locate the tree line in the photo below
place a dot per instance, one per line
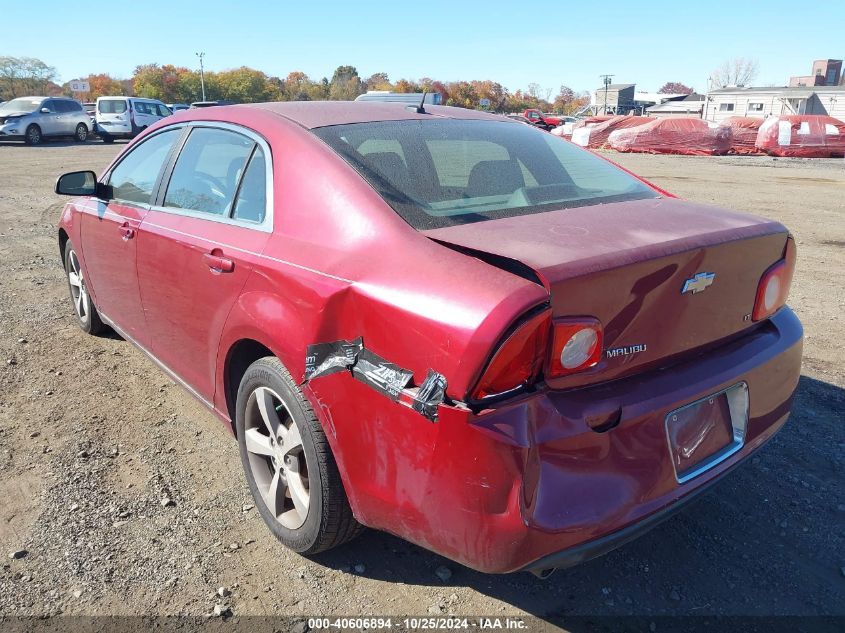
(178, 84)
(22, 76)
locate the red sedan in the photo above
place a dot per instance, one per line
(439, 323)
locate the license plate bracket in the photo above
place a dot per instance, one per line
(708, 431)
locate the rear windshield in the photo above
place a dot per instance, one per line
(112, 106)
(438, 173)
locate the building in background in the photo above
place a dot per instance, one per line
(690, 105)
(826, 72)
(762, 102)
(613, 99)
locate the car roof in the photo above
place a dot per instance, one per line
(314, 114)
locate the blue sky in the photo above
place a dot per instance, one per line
(514, 42)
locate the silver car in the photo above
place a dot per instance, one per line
(35, 118)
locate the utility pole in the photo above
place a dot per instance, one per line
(606, 79)
(202, 75)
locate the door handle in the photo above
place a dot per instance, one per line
(126, 231)
(217, 263)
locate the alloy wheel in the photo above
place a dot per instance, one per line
(33, 135)
(276, 457)
(81, 133)
(81, 300)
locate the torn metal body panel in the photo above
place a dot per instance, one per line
(325, 359)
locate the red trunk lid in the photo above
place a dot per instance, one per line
(627, 263)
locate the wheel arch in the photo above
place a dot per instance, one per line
(63, 239)
(240, 355)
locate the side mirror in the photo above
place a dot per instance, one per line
(77, 183)
(46, 111)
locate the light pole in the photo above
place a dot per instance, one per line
(202, 75)
(606, 79)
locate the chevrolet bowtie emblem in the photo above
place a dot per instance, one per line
(699, 283)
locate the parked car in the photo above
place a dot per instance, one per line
(175, 107)
(538, 123)
(126, 117)
(34, 119)
(91, 110)
(453, 328)
(552, 120)
(210, 104)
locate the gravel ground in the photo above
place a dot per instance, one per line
(121, 495)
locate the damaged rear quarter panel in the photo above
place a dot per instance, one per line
(341, 265)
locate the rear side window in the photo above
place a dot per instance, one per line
(252, 195)
(111, 106)
(208, 170)
(134, 177)
(65, 106)
(437, 173)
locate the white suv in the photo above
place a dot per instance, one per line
(125, 117)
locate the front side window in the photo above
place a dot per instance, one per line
(134, 177)
(208, 170)
(50, 104)
(455, 172)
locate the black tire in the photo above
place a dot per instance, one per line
(81, 134)
(33, 135)
(329, 521)
(88, 319)
(107, 138)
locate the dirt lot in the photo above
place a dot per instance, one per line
(93, 437)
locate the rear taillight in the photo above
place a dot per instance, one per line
(518, 361)
(773, 289)
(576, 346)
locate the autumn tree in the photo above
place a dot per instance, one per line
(20, 76)
(295, 86)
(564, 100)
(676, 88)
(462, 94)
(244, 85)
(345, 84)
(167, 83)
(406, 86)
(739, 71)
(101, 84)
(492, 90)
(378, 81)
(432, 85)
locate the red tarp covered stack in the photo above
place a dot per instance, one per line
(595, 136)
(674, 135)
(744, 138)
(590, 120)
(802, 135)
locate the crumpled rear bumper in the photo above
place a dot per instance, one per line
(586, 492)
(531, 483)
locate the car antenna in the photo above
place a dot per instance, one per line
(420, 109)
